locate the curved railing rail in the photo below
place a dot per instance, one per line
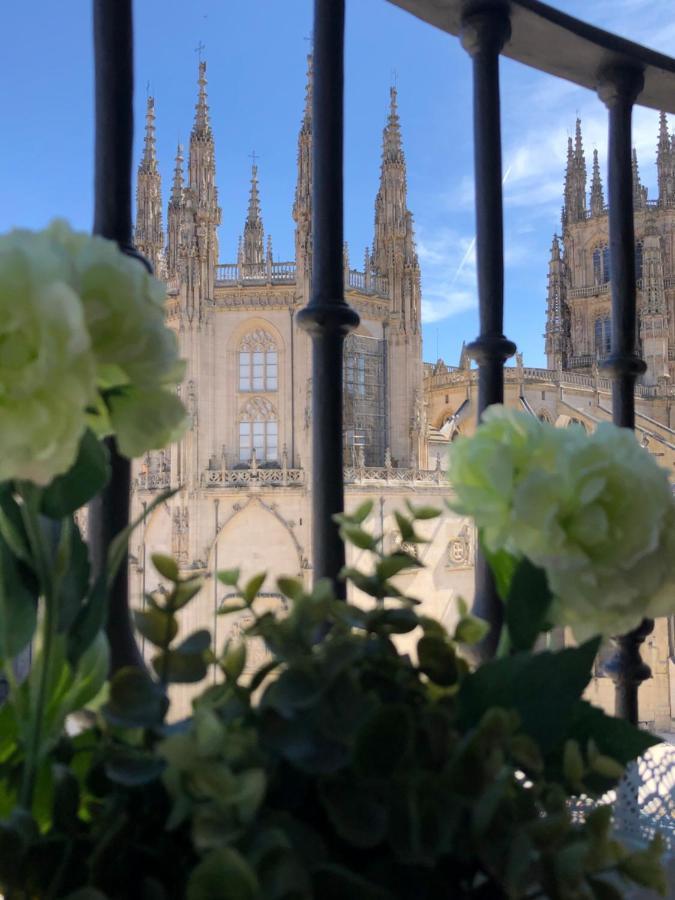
(622, 73)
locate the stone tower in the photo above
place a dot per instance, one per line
(394, 261)
(578, 321)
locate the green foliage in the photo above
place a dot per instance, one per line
(364, 758)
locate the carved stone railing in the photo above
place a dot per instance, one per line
(393, 476)
(152, 481)
(267, 272)
(241, 478)
(368, 283)
(589, 290)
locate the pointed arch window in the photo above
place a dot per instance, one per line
(603, 336)
(638, 261)
(258, 362)
(601, 271)
(258, 430)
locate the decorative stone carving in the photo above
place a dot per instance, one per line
(180, 527)
(460, 549)
(257, 341)
(257, 409)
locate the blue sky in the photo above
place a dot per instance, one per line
(256, 52)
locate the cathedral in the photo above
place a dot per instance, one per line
(243, 469)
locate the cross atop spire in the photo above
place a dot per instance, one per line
(198, 50)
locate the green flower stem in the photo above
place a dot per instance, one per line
(40, 553)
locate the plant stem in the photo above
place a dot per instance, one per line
(29, 511)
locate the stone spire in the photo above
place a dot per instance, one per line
(575, 180)
(394, 254)
(253, 239)
(202, 167)
(202, 125)
(149, 237)
(302, 205)
(175, 214)
(557, 312)
(639, 190)
(391, 200)
(664, 163)
(200, 213)
(597, 197)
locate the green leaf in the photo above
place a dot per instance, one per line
(293, 690)
(471, 630)
(136, 701)
(234, 661)
(198, 642)
(75, 584)
(223, 874)
(357, 536)
(184, 591)
(157, 626)
(87, 477)
(358, 818)
(90, 619)
(613, 738)
(503, 566)
(12, 529)
(166, 566)
(86, 893)
(405, 527)
(437, 660)
(18, 606)
(132, 766)
(252, 587)
(229, 577)
(178, 667)
(395, 563)
(384, 741)
(90, 674)
(542, 688)
(362, 512)
(423, 512)
(527, 606)
(392, 621)
(291, 587)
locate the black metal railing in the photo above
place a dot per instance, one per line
(622, 73)
(113, 67)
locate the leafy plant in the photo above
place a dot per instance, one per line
(343, 766)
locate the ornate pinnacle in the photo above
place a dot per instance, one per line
(392, 149)
(202, 125)
(555, 248)
(597, 198)
(664, 137)
(307, 118)
(177, 188)
(254, 197)
(149, 161)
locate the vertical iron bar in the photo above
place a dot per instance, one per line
(327, 317)
(618, 88)
(113, 66)
(483, 35)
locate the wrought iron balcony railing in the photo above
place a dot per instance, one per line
(621, 72)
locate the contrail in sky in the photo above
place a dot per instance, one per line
(472, 244)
